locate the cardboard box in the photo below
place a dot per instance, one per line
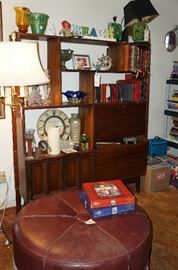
(157, 178)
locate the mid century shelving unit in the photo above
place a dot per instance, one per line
(101, 121)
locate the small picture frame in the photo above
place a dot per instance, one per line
(81, 61)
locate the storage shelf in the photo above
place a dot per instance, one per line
(173, 113)
(172, 81)
(172, 143)
(40, 156)
(63, 105)
(78, 40)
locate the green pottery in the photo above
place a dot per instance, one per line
(38, 22)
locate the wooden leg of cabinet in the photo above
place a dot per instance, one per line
(137, 183)
(135, 180)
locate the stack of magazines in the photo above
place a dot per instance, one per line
(107, 198)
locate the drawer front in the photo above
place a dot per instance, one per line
(123, 162)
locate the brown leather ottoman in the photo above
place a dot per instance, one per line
(50, 233)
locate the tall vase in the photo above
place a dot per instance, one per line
(75, 128)
(22, 18)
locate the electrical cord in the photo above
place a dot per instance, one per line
(4, 205)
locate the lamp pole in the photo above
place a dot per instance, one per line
(15, 159)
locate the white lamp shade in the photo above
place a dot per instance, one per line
(20, 64)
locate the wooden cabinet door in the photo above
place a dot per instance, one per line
(55, 181)
(134, 160)
(86, 168)
(71, 171)
(37, 183)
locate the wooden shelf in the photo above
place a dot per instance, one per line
(101, 121)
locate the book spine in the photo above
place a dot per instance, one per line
(114, 92)
(103, 92)
(126, 57)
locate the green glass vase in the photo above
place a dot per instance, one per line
(38, 22)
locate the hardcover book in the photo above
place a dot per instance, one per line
(105, 211)
(107, 193)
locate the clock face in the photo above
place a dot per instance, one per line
(53, 118)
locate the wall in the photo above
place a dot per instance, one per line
(96, 13)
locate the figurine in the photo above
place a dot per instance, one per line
(34, 97)
(66, 29)
(103, 63)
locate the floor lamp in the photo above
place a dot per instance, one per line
(19, 66)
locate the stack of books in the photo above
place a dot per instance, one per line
(107, 198)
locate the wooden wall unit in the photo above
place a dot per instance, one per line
(103, 122)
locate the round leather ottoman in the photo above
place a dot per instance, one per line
(51, 233)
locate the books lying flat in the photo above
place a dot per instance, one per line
(107, 193)
(105, 211)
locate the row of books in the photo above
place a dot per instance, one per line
(135, 58)
(132, 90)
(107, 198)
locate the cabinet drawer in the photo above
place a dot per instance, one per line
(125, 161)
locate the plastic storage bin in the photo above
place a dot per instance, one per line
(157, 147)
(157, 177)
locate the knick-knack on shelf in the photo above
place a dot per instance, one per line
(75, 128)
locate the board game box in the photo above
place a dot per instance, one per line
(107, 193)
(105, 211)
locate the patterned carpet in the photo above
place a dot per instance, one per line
(162, 207)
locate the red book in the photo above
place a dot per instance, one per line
(114, 92)
(103, 92)
(137, 91)
(108, 193)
